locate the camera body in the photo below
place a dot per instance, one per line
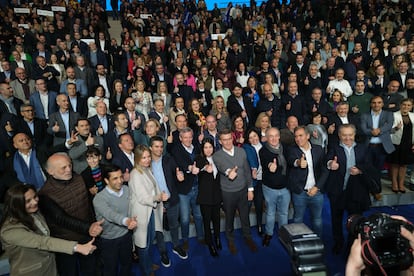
(381, 240)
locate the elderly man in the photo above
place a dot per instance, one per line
(8, 103)
(22, 86)
(68, 211)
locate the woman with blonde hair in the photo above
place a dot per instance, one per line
(219, 111)
(263, 124)
(142, 98)
(145, 204)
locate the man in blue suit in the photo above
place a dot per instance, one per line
(307, 177)
(42, 111)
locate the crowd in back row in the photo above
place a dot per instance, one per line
(351, 82)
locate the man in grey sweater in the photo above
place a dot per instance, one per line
(112, 205)
(236, 187)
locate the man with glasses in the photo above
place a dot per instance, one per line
(43, 100)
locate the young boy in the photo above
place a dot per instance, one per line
(92, 175)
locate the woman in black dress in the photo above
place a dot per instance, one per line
(209, 195)
(403, 140)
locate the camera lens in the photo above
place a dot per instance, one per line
(353, 224)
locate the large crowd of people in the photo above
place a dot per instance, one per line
(189, 111)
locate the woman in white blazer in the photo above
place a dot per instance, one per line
(146, 205)
(403, 139)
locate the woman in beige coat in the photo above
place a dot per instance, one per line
(25, 235)
(145, 204)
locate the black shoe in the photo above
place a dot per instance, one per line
(337, 248)
(165, 261)
(213, 251)
(266, 240)
(180, 252)
(218, 243)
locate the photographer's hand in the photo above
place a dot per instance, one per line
(355, 264)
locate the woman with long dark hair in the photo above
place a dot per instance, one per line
(26, 236)
(209, 195)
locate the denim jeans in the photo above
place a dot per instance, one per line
(277, 203)
(188, 203)
(145, 261)
(315, 204)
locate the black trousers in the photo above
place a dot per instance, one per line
(210, 214)
(116, 255)
(76, 264)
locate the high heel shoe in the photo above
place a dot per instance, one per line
(394, 189)
(401, 190)
(218, 243)
(213, 251)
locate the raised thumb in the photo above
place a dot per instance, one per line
(127, 171)
(335, 159)
(274, 160)
(303, 156)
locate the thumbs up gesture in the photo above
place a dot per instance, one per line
(209, 168)
(289, 106)
(170, 138)
(302, 163)
(334, 165)
(179, 174)
(306, 81)
(194, 169)
(108, 154)
(331, 128)
(90, 140)
(232, 173)
(126, 175)
(96, 228)
(56, 127)
(100, 130)
(8, 127)
(314, 108)
(272, 166)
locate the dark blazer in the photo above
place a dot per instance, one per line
(333, 138)
(40, 137)
(165, 128)
(94, 82)
(100, 57)
(137, 114)
(16, 103)
(111, 141)
(297, 176)
(114, 106)
(81, 106)
(297, 109)
(59, 138)
(95, 123)
(209, 190)
(183, 160)
(167, 78)
(234, 108)
(27, 67)
(379, 89)
(397, 77)
(169, 168)
(38, 107)
(52, 84)
(121, 160)
(386, 121)
(357, 192)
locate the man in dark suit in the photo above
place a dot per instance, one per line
(182, 90)
(167, 175)
(237, 104)
(376, 126)
(8, 103)
(101, 123)
(380, 81)
(136, 120)
(95, 56)
(342, 116)
(346, 187)
(159, 115)
(293, 104)
(62, 123)
(184, 154)
(101, 77)
(271, 105)
(84, 72)
(34, 128)
(121, 127)
(46, 72)
(124, 157)
(247, 41)
(7, 75)
(161, 75)
(401, 75)
(307, 177)
(77, 103)
(36, 100)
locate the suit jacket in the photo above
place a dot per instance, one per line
(80, 87)
(94, 82)
(234, 108)
(114, 106)
(167, 78)
(40, 137)
(137, 114)
(31, 252)
(169, 168)
(396, 135)
(18, 91)
(16, 104)
(38, 106)
(87, 75)
(81, 106)
(3, 76)
(297, 176)
(356, 192)
(183, 160)
(59, 138)
(386, 121)
(121, 160)
(27, 67)
(379, 89)
(52, 84)
(165, 127)
(397, 77)
(333, 138)
(95, 123)
(78, 150)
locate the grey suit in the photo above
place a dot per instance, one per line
(59, 138)
(18, 91)
(385, 124)
(77, 153)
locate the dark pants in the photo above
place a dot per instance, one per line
(258, 202)
(210, 213)
(233, 201)
(71, 265)
(172, 216)
(116, 255)
(377, 155)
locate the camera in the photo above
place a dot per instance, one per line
(381, 240)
